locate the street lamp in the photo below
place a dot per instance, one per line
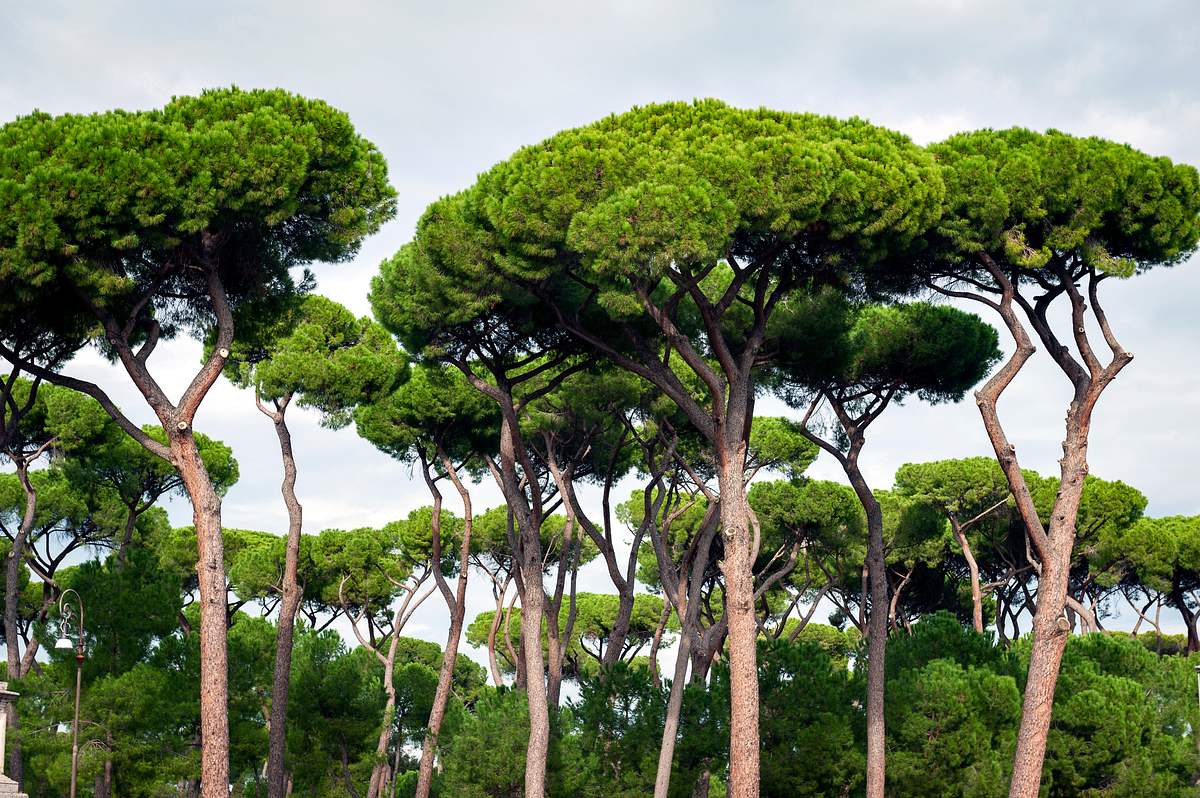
(66, 625)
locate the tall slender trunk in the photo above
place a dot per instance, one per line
(620, 629)
(877, 625)
(214, 663)
(379, 770)
(877, 629)
(1050, 629)
(289, 603)
(493, 630)
(973, 567)
(557, 639)
(657, 642)
(12, 598)
(532, 611)
(666, 751)
(457, 604)
(737, 567)
(525, 541)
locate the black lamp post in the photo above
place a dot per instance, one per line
(66, 625)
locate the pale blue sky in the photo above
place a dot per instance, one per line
(447, 89)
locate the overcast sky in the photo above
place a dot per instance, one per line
(447, 89)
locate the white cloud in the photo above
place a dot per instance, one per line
(448, 89)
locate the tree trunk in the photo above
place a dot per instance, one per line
(214, 664)
(657, 642)
(532, 600)
(973, 567)
(1050, 633)
(877, 630)
(1050, 629)
(620, 629)
(12, 606)
(442, 696)
(737, 567)
(288, 604)
(666, 751)
(131, 518)
(493, 661)
(379, 770)
(1189, 620)
(458, 608)
(104, 779)
(554, 665)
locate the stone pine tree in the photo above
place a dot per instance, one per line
(156, 223)
(43, 423)
(379, 577)
(582, 433)
(885, 354)
(437, 421)
(665, 238)
(1163, 555)
(969, 492)
(514, 355)
(1035, 222)
(318, 354)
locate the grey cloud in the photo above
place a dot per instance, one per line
(447, 89)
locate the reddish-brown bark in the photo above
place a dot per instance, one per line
(277, 778)
(456, 603)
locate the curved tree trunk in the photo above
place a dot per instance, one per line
(657, 642)
(131, 518)
(493, 631)
(1050, 629)
(379, 770)
(277, 780)
(457, 604)
(973, 567)
(666, 751)
(1050, 634)
(877, 631)
(214, 663)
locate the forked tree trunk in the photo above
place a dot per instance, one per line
(526, 544)
(558, 639)
(380, 768)
(1053, 543)
(737, 567)
(277, 780)
(457, 604)
(214, 663)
